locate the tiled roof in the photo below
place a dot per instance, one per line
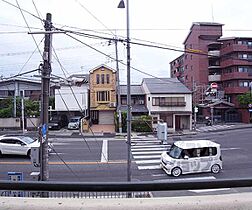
(135, 90)
(165, 85)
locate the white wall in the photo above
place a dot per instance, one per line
(187, 108)
(65, 100)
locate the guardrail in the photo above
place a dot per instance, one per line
(124, 186)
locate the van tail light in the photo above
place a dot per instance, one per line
(221, 158)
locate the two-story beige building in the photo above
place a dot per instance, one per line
(102, 95)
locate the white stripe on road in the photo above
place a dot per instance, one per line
(232, 148)
(146, 142)
(147, 161)
(146, 146)
(209, 190)
(104, 153)
(147, 156)
(144, 153)
(149, 167)
(189, 179)
(148, 149)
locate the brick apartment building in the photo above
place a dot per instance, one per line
(211, 59)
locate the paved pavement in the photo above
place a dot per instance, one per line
(200, 128)
(65, 133)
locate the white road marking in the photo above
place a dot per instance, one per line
(232, 148)
(209, 190)
(147, 156)
(153, 146)
(147, 161)
(189, 179)
(145, 141)
(148, 149)
(104, 153)
(149, 167)
(144, 153)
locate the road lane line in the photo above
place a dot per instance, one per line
(69, 163)
(148, 149)
(146, 156)
(149, 152)
(147, 161)
(149, 167)
(187, 179)
(209, 190)
(104, 153)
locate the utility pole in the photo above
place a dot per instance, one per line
(118, 90)
(45, 89)
(22, 110)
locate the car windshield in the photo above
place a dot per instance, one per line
(175, 151)
(27, 139)
(74, 120)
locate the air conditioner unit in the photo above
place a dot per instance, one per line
(112, 104)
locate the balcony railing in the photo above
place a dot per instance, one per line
(214, 78)
(43, 188)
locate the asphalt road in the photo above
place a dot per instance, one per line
(78, 159)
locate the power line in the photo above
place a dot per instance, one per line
(23, 10)
(94, 17)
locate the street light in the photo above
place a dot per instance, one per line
(122, 5)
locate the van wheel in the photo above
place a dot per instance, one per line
(176, 172)
(215, 169)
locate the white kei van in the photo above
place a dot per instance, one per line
(196, 156)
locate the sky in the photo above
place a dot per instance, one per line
(161, 22)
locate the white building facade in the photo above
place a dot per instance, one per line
(168, 100)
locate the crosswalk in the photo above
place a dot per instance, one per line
(213, 128)
(147, 153)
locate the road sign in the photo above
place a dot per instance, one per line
(214, 85)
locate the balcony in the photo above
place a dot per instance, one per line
(214, 78)
(214, 53)
(235, 62)
(236, 48)
(235, 76)
(236, 90)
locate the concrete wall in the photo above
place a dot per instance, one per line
(15, 123)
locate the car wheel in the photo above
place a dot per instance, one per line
(29, 153)
(215, 169)
(176, 172)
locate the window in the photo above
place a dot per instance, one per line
(243, 56)
(242, 69)
(244, 84)
(168, 101)
(103, 96)
(154, 120)
(107, 78)
(212, 151)
(97, 79)
(124, 101)
(102, 78)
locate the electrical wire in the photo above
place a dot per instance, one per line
(94, 17)
(23, 10)
(31, 34)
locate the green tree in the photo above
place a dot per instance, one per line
(244, 99)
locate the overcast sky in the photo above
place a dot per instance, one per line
(160, 21)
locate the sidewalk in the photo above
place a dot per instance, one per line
(200, 128)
